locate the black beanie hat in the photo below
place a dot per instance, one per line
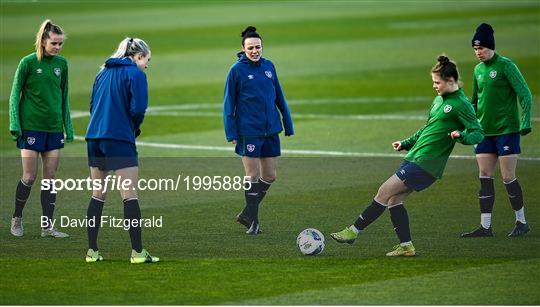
(484, 37)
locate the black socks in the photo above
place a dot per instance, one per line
(370, 214)
(21, 196)
(95, 208)
(400, 220)
(515, 194)
(486, 195)
(132, 212)
(254, 197)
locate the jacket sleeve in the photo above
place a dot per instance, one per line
(474, 97)
(473, 132)
(524, 96)
(230, 104)
(138, 87)
(15, 99)
(281, 103)
(409, 142)
(66, 116)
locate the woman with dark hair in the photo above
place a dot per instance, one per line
(39, 116)
(253, 103)
(451, 119)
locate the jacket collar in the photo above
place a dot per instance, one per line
(242, 58)
(456, 93)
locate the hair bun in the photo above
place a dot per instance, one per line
(443, 59)
(248, 29)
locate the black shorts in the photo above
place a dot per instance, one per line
(40, 141)
(110, 155)
(414, 177)
(501, 145)
(258, 147)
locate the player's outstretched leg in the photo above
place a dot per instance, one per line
(370, 214)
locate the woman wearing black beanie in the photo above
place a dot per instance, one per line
(498, 87)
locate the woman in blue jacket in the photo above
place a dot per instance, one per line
(117, 107)
(252, 105)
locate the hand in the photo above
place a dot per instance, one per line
(397, 145)
(69, 138)
(525, 131)
(15, 134)
(234, 142)
(288, 133)
(137, 132)
(454, 134)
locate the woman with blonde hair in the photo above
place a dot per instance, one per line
(39, 116)
(117, 107)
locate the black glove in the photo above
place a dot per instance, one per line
(138, 132)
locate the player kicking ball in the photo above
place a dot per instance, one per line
(451, 119)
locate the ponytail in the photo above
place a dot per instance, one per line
(130, 47)
(43, 34)
(446, 68)
(249, 32)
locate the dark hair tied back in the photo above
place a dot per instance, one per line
(443, 59)
(250, 31)
(446, 68)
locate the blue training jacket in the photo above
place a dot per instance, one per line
(118, 102)
(252, 99)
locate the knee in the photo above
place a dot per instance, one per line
(269, 178)
(382, 197)
(508, 178)
(99, 194)
(28, 178)
(128, 194)
(49, 174)
(485, 173)
(253, 175)
(393, 201)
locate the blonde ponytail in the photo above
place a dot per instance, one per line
(129, 47)
(43, 33)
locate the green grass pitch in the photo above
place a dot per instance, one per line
(356, 75)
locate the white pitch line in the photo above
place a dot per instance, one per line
(297, 151)
(188, 110)
(301, 116)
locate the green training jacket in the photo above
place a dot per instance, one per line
(498, 86)
(431, 146)
(39, 98)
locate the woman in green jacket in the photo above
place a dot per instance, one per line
(451, 118)
(498, 87)
(39, 115)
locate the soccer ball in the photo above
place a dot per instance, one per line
(310, 242)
